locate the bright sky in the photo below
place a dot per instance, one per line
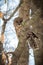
(11, 40)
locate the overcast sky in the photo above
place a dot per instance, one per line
(10, 33)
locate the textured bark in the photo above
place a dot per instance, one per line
(24, 33)
(1, 49)
(37, 28)
(24, 9)
(21, 52)
(37, 25)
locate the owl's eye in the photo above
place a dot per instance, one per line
(18, 20)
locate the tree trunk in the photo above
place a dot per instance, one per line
(37, 27)
(22, 31)
(1, 49)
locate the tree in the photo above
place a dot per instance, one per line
(24, 33)
(36, 24)
(27, 33)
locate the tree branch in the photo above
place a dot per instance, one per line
(5, 20)
(21, 1)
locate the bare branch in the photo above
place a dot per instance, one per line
(14, 11)
(3, 27)
(5, 20)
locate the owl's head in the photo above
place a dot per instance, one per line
(17, 24)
